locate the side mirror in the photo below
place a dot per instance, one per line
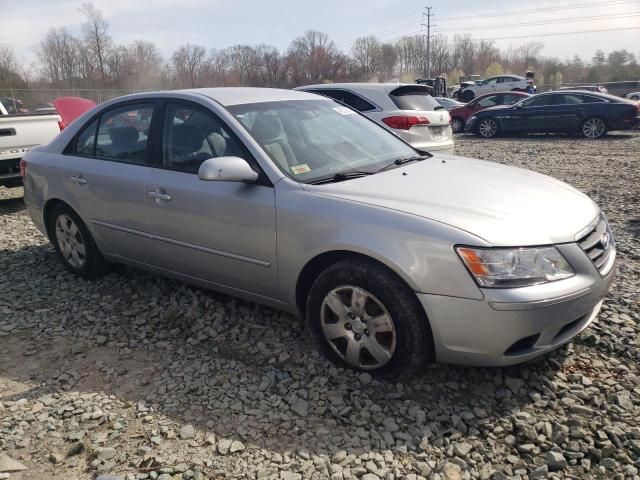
(227, 169)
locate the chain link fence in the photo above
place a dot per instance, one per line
(20, 100)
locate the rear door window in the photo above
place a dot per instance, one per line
(123, 133)
(488, 101)
(509, 99)
(411, 98)
(348, 98)
(538, 101)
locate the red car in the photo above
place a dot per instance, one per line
(459, 115)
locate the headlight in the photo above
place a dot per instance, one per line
(515, 267)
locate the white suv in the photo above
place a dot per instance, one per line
(500, 83)
(408, 110)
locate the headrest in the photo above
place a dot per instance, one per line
(267, 128)
(219, 144)
(187, 137)
(119, 135)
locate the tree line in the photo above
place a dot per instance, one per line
(94, 59)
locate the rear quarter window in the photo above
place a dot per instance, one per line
(411, 98)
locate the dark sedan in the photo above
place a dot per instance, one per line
(591, 114)
(460, 114)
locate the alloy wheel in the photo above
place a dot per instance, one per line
(456, 125)
(593, 128)
(358, 327)
(488, 128)
(70, 241)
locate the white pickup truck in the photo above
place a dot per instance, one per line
(19, 132)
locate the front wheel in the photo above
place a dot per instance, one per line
(594, 128)
(363, 317)
(468, 95)
(488, 128)
(457, 125)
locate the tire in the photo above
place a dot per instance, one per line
(457, 125)
(468, 95)
(403, 342)
(487, 128)
(74, 244)
(634, 97)
(593, 128)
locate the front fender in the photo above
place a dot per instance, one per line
(419, 250)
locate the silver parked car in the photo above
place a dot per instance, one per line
(408, 110)
(392, 256)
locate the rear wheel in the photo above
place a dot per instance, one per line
(487, 128)
(457, 124)
(594, 128)
(74, 244)
(468, 95)
(363, 317)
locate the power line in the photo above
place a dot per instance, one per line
(546, 22)
(411, 25)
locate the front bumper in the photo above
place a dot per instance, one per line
(510, 326)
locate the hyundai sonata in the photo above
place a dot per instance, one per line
(392, 255)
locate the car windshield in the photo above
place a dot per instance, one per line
(313, 139)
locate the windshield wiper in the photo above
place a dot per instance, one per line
(341, 176)
(401, 161)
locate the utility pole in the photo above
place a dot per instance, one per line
(426, 15)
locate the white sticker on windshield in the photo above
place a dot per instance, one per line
(302, 168)
(344, 110)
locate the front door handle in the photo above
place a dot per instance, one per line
(159, 196)
(79, 180)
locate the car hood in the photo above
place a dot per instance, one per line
(505, 206)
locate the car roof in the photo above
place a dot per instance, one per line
(386, 87)
(242, 95)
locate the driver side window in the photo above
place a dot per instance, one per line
(192, 135)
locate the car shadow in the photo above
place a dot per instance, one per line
(232, 368)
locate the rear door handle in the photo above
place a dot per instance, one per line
(159, 196)
(7, 132)
(79, 180)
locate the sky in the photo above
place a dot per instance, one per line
(222, 23)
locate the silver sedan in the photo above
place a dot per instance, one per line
(392, 255)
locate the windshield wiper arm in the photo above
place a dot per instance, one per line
(401, 161)
(341, 176)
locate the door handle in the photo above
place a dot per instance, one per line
(7, 132)
(78, 180)
(159, 196)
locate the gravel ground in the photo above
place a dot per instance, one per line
(135, 376)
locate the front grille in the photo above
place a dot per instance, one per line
(599, 245)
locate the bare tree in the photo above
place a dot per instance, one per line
(189, 64)
(9, 70)
(217, 64)
(314, 58)
(388, 61)
(367, 55)
(61, 58)
(96, 37)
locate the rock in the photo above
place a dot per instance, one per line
(8, 464)
(101, 339)
(236, 446)
(106, 453)
(365, 378)
(187, 432)
(76, 449)
(108, 477)
(290, 476)
(462, 449)
(452, 471)
(555, 461)
(301, 408)
(56, 458)
(542, 472)
(514, 384)
(224, 445)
